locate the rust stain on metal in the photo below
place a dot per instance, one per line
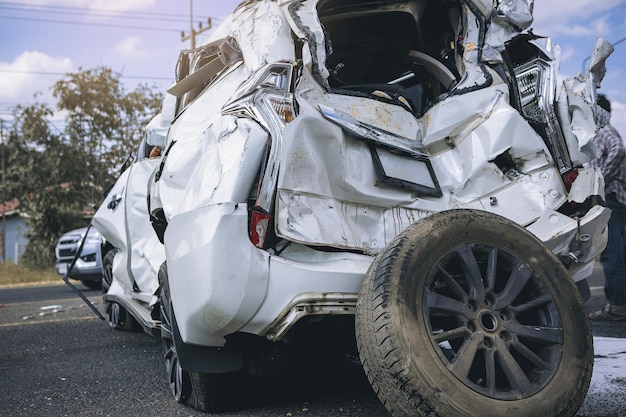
(470, 46)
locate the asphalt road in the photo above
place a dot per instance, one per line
(58, 359)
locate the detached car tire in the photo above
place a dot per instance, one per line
(466, 313)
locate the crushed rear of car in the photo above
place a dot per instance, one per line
(404, 176)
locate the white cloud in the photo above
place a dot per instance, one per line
(597, 27)
(576, 18)
(546, 13)
(110, 5)
(133, 47)
(22, 78)
(119, 5)
(567, 52)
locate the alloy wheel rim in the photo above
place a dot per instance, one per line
(493, 322)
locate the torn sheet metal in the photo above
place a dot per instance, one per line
(218, 165)
(220, 281)
(588, 182)
(463, 142)
(576, 241)
(479, 44)
(156, 131)
(346, 204)
(145, 252)
(601, 51)
(510, 18)
(198, 67)
(262, 33)
(475, 74)
(303, 19)
(579, 116)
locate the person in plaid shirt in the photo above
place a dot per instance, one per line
(612, 164)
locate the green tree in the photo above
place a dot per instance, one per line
(58, 175)
(104, 120)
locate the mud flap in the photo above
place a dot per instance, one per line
(206, 359)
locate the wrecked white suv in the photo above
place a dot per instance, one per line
(407, 171)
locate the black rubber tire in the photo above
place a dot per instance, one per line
(107, 270)
(179, 380)
(218, 393)
(206, 392)
(466, 313)
(94, 285)
(117, 317)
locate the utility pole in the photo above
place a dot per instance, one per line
(193, 32)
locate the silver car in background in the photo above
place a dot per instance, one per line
(88, 266)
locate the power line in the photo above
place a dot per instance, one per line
(98, 12)
(137, 77)
(104, 15)
(111, 15)
(66, 22)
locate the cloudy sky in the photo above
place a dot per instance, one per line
(43, 39)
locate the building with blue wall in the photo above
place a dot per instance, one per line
(13, 227)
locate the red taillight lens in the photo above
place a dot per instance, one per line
(259, 227)
(569, 178)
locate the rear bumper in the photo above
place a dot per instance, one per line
(576, 242)
(221, 284)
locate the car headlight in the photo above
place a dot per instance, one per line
(89, 258)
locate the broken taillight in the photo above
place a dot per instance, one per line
(259, 227)
(568, 178)
(284, 108)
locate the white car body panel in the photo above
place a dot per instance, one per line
(126, 226)
(328, 192)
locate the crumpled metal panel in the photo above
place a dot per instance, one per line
(574, 107)
(261, 32)
(219, 165)
(465, 140)
(111, 222)
(580, 117)
(601, 51)
(509, 18)
(216, 284)
(303, 19)
(562, 234)
(588, 182)
(156, 131)
(501, 24)
(126, 226)
(329, 192)
(146, 253)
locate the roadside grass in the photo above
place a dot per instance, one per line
(11, 274)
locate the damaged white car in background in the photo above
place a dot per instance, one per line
(407, 172)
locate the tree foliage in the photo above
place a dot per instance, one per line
(57, 174)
